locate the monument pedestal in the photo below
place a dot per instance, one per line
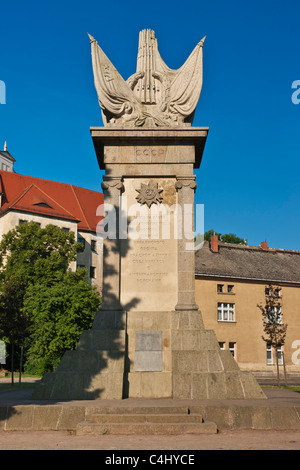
(148, 355)
(148, 340)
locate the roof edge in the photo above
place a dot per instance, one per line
(42, 214)
(255, 248)
(226, 276)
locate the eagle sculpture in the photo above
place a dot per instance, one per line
(155, 95)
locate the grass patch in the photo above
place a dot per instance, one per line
(16, 386)
(295, 388)
(16, 376)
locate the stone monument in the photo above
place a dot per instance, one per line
(148, 340)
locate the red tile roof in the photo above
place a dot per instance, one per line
(248, 262)
(50, 198)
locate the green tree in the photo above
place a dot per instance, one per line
(275, 331)
(59, 314)
(210, 233)
(30, 256)
(24, 250)
(232, 238)
(13, 323)
(226, 238)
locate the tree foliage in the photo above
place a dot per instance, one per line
(210, 233)
(226, 238)
(59, 314)
(43, 305)
(275, 331)
(13, 322)
(25, 250)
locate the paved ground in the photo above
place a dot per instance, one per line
(226, 440)
(22, 396)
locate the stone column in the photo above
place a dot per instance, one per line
(186, 256)
(112, 187)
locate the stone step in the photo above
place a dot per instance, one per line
(184, 410)
(148, 418)
(145, 420)
(90, 428)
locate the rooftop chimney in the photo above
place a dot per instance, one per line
(214, 243)
(5, 147)
(264, 245)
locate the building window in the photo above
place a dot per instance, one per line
(269, 354)
(232, 349)
(222, 345)
(277, 292)
(22, 221)
(93, 245)
(226, 312)
(66, 229)
(230, 288)
(275, 314)
(220, 288)
(280, 355)
(92, 272)
(81, 240)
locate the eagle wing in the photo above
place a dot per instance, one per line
(112, 90)
(186, 85)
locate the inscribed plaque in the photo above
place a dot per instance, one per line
(148, 351)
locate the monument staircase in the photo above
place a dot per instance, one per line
(146, 420)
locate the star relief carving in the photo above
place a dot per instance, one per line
(149, 194)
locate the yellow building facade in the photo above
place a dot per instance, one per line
(231, 280)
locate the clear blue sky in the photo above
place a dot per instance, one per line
(249, 178)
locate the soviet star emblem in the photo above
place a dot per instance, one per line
(149, 194)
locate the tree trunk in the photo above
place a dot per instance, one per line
(277, 365)
(283, 358)
(12, 361)
(21, 363)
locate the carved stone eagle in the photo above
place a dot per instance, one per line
(153, 96)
